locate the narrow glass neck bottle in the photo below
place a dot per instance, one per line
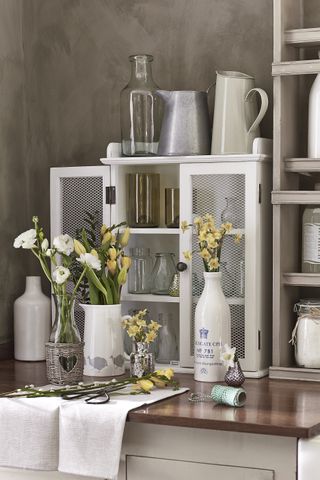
(141, 69)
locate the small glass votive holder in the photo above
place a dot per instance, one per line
(172, 207)
(143, 200)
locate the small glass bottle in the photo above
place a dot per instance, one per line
(140, 110)
(140, 271)
(162, 273)
(168, 345)
(229, 212)
(311, 238)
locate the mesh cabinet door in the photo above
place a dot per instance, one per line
(74, 191)
(228, 191)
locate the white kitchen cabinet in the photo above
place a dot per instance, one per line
(204, 183)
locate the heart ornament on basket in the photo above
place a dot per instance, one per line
(68, 362)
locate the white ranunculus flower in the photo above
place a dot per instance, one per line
(227, 356)
(44, 245)
(64, 244)
(90, 260)
(60, 275)
(50, 252)
(26, 239)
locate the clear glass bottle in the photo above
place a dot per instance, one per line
(311, 238)
(64, 329)
(228, 214)
(162, 273)
(168, 345)
(140, 271)
(143, 200)
(140, 110)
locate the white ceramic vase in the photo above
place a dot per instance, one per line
(32, 322)
(212, 329)
(314, 120)
(103, 340)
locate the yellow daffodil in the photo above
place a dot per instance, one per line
(124, 239)
(122, 277)
(212, 243)
(203, 235)
(112, 266)
(237, 238)
(227, 226)
(112, 252)
(217, 235)
(151, 336)
(198, 221)
(133, 330)
(209, 218)
(205, 254)
(187, 254)
(141, 322)
(126, 262)
(213, 263)
(184, 226)
(106, 237)
(154, 325)
(78, 247)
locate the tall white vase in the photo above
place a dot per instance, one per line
(32, 322)
(314, 120)
(103, 340)
(212, 329)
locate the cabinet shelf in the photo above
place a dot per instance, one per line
(301, 279)
(301, 67)
(155, 231)
(296, 197)
(302, 165)
(303, 37)
(148, 297)
(295, 373)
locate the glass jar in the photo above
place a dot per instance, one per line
(162, 273)
(311, 238)
(229, 212)
(306, 333)
(140, 271)
(172, 207)
(143, 200)
(140, 110)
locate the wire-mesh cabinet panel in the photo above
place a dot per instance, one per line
(74, 193)
(230, 192)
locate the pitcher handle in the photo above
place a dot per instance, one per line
(125, 317)
(263, 108)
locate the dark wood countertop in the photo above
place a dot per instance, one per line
(273, 407)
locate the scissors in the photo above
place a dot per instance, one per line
(96, 397)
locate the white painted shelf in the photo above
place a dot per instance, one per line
(301, 279)
(303, 37)
(300, 67)
(155, 231)
(296, 197)
(295, 373)
(302, 165)
(131, 297)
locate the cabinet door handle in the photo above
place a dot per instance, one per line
(181, 266)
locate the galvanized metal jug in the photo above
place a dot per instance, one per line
(186, 128)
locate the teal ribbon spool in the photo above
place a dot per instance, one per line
(234, 397)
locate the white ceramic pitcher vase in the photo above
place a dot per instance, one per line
(236, 118)
(103, 340)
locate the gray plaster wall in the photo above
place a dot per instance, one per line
(70, 63)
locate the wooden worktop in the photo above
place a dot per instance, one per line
(274, 407)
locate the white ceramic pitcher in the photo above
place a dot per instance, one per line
(236, 118)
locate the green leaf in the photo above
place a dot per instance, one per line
(92, 277)
(106, 284)
(115, 293)
(93, 294)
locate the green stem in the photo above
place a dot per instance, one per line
(78, 283)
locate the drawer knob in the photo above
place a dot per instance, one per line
(181, 266)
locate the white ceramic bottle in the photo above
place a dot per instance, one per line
(32, 322)
(314, 119)
(212, 330)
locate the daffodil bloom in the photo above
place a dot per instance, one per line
(124, 239)
(133, 330)
(213, 263)
(187, 254)
(212, 243)
(184, 225)
(227, 226)
(78, 247)
(198, 221)
(112, 266)
(112, 252)
(205, 254)
(237, 238)
(154, 325)
(151, 336)
(141, 322)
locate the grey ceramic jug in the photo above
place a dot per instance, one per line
(185, 126)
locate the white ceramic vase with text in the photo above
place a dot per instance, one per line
(32, 322)
(314, 120)
(103, 340)
(212, 329)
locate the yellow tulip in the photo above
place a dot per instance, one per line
(112, 266)
(145, 385)
(158, 382)
(103, 230)
(122, 277)
(169, 373)
(78, 247)
(124, 239)
(106, 237)
(126, 262)
(112, 252)
(94, 253)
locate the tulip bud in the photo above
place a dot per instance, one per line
(112, 266)
(125, 237)
(122, 277)
(126, 262)
(112, 252)
(94, 253)
(78, 247)
(106, 237)
(44, 245)
(103, 230)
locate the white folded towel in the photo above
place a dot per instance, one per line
(69, 436)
